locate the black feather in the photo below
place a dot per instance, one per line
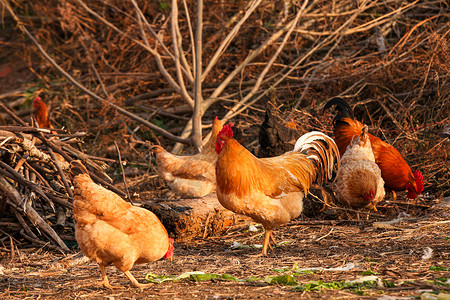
(274, 137)
(344, 110)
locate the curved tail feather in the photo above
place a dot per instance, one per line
(344, 110)
(321, 149)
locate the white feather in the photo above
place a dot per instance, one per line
(308, 138)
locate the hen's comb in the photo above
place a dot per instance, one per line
(226, 130)
(37, 103)
(419, 181)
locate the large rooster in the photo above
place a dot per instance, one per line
(190, 176)
(395, 171)
(271, 190)
(359, 183)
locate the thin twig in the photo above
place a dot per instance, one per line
(123, 173)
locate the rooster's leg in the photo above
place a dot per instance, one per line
(105, 280)
(267, 235)
(135, 282)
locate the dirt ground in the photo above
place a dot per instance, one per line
(403, 258)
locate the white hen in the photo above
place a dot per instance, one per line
(359, 183)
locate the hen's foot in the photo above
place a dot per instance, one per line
(106, 284)
(105, 281)
(135, 282)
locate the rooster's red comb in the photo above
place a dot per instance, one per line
(419, 181)
(226, 130)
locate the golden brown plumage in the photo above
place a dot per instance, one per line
(271, 190)
(395, 171)
(41, 114)
(192, 175)
(359, 183)
(112, 231)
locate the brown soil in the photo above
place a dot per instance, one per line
(395, 253)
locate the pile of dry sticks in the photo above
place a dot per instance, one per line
(35, 188)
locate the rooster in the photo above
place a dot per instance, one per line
(359, 183)
(396, 173)
(112, 231)
(276, 137)
(41, 113)
(190, 176)
(271, 190)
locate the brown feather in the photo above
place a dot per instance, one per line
(190, 175)
(394, 169)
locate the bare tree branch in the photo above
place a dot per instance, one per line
(226, 42)
(271, 61)
(191, 33)
(197, 115)
(176, 38)
(155, 54)
(34, 217)
(93, 95)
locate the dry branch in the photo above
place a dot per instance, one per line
(33, 178)
(34, 217)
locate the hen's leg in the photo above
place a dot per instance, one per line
(135, 282)
(272, 238)
(267, 235)
(105, 280)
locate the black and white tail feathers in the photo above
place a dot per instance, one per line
(323, 151)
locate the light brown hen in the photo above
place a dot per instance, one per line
(112, 231)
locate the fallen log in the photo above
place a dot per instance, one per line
(194, 218)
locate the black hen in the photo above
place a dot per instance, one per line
(275, 138)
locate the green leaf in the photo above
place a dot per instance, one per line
(202, 277)
(162, 278)
(159, 123)
(387, 283)
(253, 279)
(158, 278)
(282, 270)
(164, 6)
(311, 286)
(356, 286)
(368, 272)
(286, 279)
(443, 281)
(229, 277)
(439, 268)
